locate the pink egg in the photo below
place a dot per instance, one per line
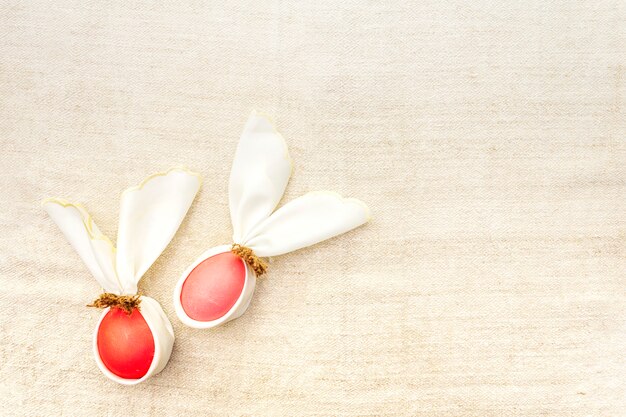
(125, 343)
(213, 287)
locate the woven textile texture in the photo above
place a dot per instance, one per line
(487, 137)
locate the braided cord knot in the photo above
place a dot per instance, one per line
(248, 256)
(123, 302)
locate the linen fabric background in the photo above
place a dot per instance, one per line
(488, 138)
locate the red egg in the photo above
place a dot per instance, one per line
(125, 343)
(213, 287)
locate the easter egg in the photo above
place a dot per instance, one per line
(213, 287)
(125, 343)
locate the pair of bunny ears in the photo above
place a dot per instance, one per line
(151, 212)
(150, 215)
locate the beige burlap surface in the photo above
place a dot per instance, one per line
(488, 138)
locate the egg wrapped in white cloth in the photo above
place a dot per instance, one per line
(218, 286)
(133, 339)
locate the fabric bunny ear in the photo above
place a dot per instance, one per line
(259, 175)
(150, 215)
(95, 249)
(307, 220)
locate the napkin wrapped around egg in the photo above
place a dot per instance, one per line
(218, 286)
(133, 339)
